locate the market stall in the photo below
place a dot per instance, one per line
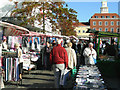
(108, 64)
(98, 35)
(10, 61)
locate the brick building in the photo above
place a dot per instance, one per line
(105, 21)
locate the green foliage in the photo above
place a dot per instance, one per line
(61, 17)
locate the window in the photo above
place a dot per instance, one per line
(106, 29)
(106, 23)
(118, 23)
(112, 23)
(100, 29)
(83, 31)
(118, 30)
(107, 16)
(100, 23)
(94, 23)
(102, 16)
(94, 29)
(113, 16)
(96, 16)
(112, 29)
(79, 31)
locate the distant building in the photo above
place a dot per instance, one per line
(105, 21)
(81, 29)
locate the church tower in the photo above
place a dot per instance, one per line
(104, 8)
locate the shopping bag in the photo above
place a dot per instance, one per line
(94, 60)
(74, 71)
(63, 76)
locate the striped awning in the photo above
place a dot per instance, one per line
(32, 34)
(13, 30)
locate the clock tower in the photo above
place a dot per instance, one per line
(104, 8)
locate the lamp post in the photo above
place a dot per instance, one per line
(43, 19)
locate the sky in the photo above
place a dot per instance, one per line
(85, 9)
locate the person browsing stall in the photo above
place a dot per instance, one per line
(59, 60)
(19, 51)
(90, 54)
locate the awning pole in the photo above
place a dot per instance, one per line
(98, 47)
(118, 42)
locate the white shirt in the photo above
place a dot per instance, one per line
(20, 55)
(89, 59)
(72, 61)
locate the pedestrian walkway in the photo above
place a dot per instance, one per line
(37, 79)
(34, 79)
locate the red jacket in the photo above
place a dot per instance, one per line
(59, 55)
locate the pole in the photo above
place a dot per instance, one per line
(43, 19)
(118, 39)
(98, 47)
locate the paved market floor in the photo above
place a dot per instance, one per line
(36, 79)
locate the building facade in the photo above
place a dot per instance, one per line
(105, 21)
(81, 29)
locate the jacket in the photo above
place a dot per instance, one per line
(71, 57)
(89, 59)
(58, 55)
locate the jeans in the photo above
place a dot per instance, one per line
(57, 72)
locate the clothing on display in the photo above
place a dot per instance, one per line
(89, 77)
(14, 39)
(11, 69)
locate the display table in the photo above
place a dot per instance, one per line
(88, 77)
(27, 65)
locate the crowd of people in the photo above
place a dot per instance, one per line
(72, 55)
(60, 56)
(66, 57)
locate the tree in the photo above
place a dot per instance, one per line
(61, 17)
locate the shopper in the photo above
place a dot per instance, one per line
(71, 56)
(74, 45)
(4, 44)
(90, 54)
(47, 56)
(59, 59)
(72, 59)
(19, 52)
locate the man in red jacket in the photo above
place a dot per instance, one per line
(59, 59)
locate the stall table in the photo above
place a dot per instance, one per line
(88, 77)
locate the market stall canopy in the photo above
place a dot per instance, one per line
(73, 37)
(33, 34)
(84, 38)
(15, 21)
(103, 34)
(13, 30)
